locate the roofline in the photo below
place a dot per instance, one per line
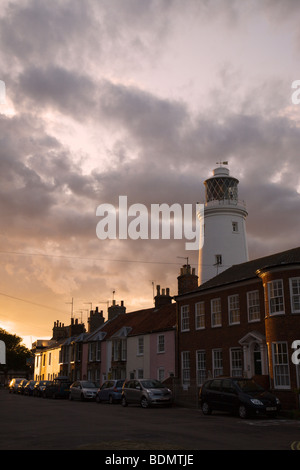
(255, 275)
(217, 287)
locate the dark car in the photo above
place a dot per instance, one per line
(40, 387)
(111, 391)
(237, 395)
(58, 388)
(28, 389)
(146, 392)
(21, 386)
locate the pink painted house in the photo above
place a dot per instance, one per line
(139, 344)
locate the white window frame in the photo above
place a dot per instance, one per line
(273, 294)
(124, 349)
(161, 374)
(200, 315)
(200, 366)
(185, 318)
(216, 312)
(91, 352)
(253, 306)
(98, 351)
(236, 362)
(217, 364)
(140, 346)
(185, 368)
(281, 369)
(234, 313)
(292, 295)
(160, 344)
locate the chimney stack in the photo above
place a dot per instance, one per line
(95, 320)
(115, 309)
(187, 280)
(162, 298)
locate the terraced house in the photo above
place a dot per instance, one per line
(136, 344)
(128, 345)
(243, 322)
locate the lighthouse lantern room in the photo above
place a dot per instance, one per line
(224, 215)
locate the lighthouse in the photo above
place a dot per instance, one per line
(225, 242)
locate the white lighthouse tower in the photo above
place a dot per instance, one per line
(225, 241)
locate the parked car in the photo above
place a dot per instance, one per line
(237, 395)
(83, 390)
(40, 387)
(14, 383)
(28, 389)
(146, 392)
(21, 386)
(111, 391)
(58, 388)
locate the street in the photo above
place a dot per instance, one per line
(30, 423)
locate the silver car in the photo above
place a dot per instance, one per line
(146, 392)
(83, 390)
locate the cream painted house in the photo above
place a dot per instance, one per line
(47, 363)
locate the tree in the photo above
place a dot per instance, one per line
(16, 353)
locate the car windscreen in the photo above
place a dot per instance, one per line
(119, 384)
(248, 386)
(152, 384)
(88, 385)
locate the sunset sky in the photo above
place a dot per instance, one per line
(136, 98)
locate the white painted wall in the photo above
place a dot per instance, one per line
(221, 239)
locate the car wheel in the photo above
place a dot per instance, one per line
(206, 409)
(243, 412)
(144, 403)
(124, 402)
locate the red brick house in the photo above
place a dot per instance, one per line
(242, 322)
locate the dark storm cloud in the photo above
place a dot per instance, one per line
(44, 32)
(57, 88)
(39, 183)
(168, 146)
(76, 62)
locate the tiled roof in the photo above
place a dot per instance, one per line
(144, 321)
(248, 270)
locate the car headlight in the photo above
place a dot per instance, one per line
(255, 401)
(277, 401)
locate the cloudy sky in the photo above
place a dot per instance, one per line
(136, 98)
